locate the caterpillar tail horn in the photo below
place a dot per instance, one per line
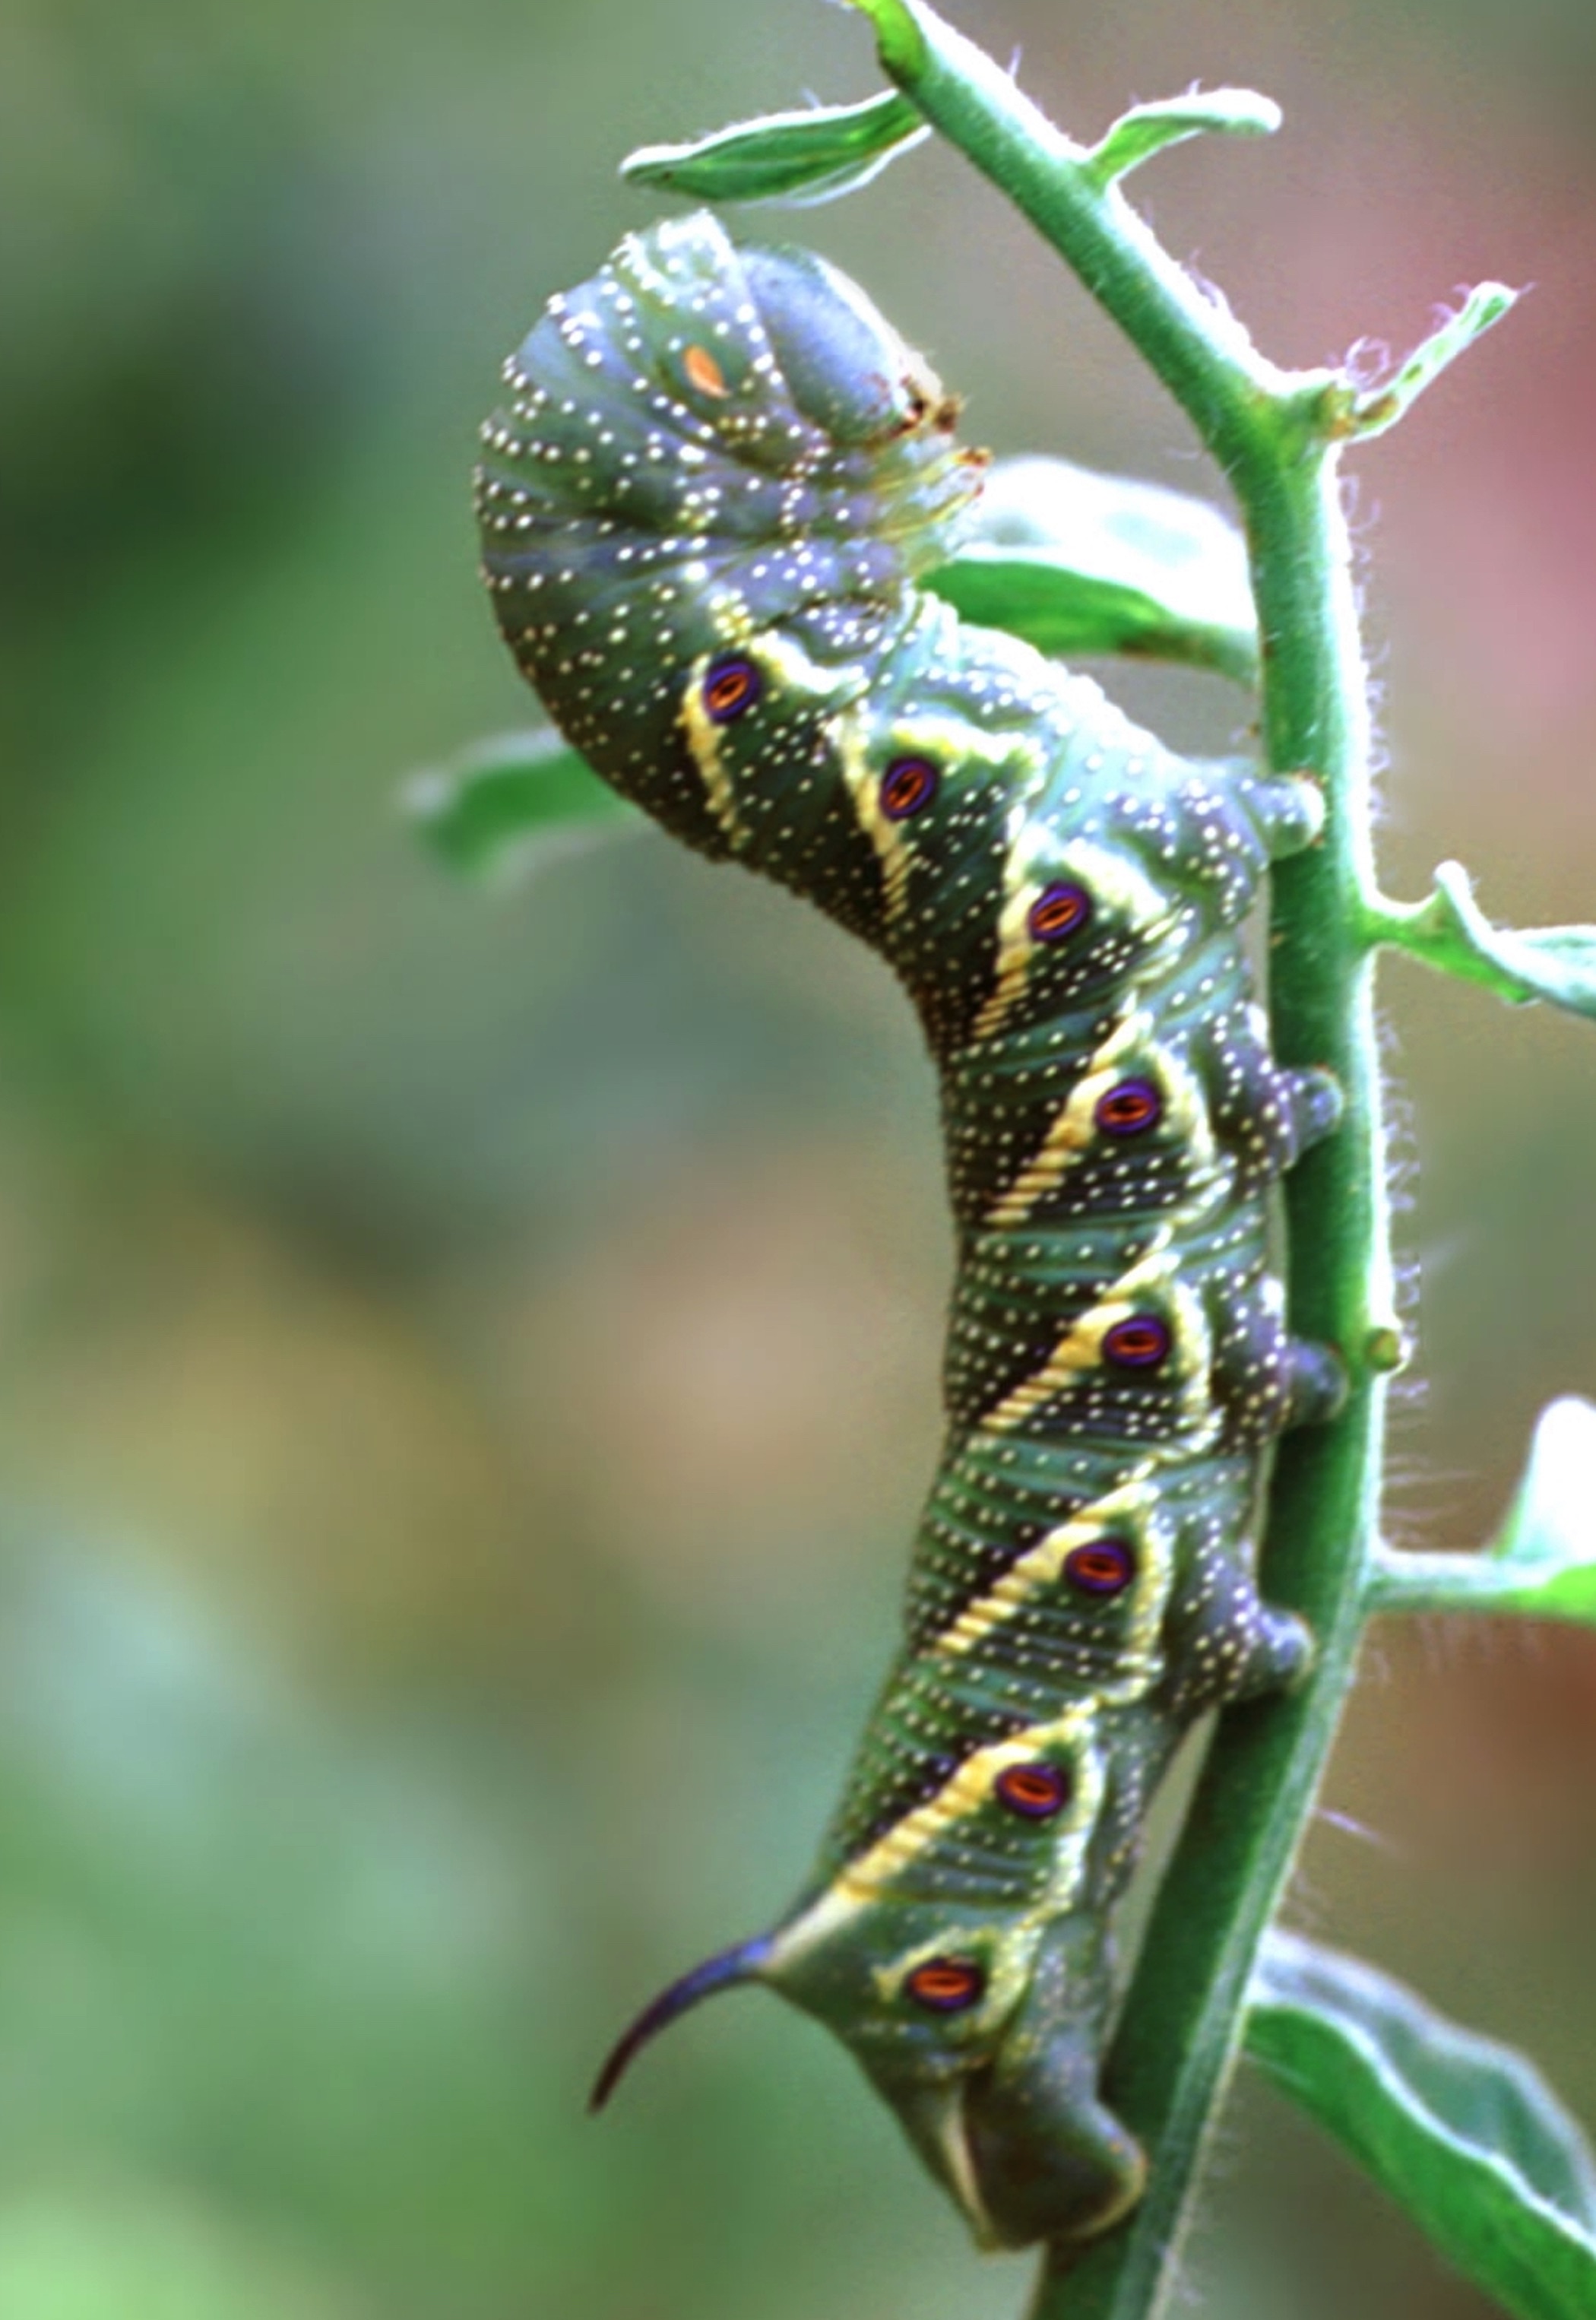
(741, 1962)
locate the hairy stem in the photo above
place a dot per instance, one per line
(1444, 1582)
(1275, 435)
(1182, 2024)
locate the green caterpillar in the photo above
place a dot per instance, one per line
(703, 509)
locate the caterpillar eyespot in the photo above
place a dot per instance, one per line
(816, 497)
(908, 787)
(1142, 1343)
(731, 686)
(1034, 1792)
(946, 1985)
(1058, 911)
(1106, 1567)
(1130, 1110)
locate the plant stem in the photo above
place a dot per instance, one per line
(1558, 1589)
(1444, 1582)
(1182, 2026)
(1274, 434)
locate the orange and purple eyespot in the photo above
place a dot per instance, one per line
(1103, 1566)
(1058, 911)
(1141, 1343)
(945, 1985)
(907, 787)
(1035, 1791)
(731, 685)
(1130, 1109)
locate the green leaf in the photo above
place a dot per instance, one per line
(1543, 1564)
(1081, 563)
(515, 803)
(1450, 931)
(1463, 2133)
(800, 158)
(1148, 129)
(1554, 963)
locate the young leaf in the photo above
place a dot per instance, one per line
(1450, 931)
(514, 802)
(1148, 129)
(1081, 563)
(1380, 407)
(800, 158)
(1462, 2132)
(1554, 963)
(1543, 1566)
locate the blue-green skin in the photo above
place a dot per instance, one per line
(646, 513)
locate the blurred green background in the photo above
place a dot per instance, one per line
(469, 1360)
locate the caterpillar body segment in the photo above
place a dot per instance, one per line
(705, 504)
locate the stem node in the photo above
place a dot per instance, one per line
(1387, 1349)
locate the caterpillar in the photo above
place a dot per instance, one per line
(705, 506)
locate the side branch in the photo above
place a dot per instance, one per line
(1449, 932)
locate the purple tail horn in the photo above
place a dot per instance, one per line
(741, 1962)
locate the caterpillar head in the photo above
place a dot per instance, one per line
(983, 2035)
(701, 403)
(771, 358)
(705, 442)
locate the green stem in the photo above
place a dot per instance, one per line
(1182, 2024)
(1234, 395)
(1441, 1582)
(1412, 1581)
(1274, 434)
